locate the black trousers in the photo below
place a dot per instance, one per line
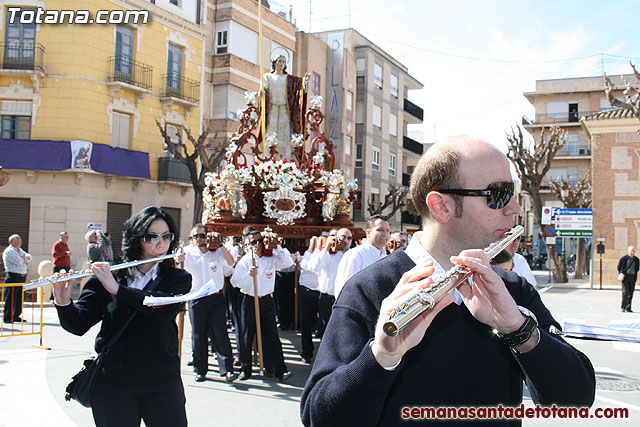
(234, 298)
(271, 345)
(205, 311)
(325, 305)
(284, 291)
(13, 296)
(119, 406)
(628, 286)
(308, 301)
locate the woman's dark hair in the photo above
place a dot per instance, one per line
(501, 258)
(136, 227)
(273, 64)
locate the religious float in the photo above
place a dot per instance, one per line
(296, 191)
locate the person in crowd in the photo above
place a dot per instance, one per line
(269, 257)
(15, 261)
(97, 246)
(503, 260)
(308, 297)
(628, 265)
(206, 259)
(140, 379)
(372, 250)
(324, 262)
(61, 254)
(450, 356)
(520, 264)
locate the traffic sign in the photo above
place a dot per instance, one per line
(565, 211)
(550, 231)
(574, 233)
(574, 226)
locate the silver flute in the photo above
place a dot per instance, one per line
(84, 273)
(423, 300)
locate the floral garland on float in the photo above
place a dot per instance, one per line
(304, 189)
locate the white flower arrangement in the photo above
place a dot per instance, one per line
(251, 97)
(272, 139)
(297, 140)
(315, 102)
(283, 172)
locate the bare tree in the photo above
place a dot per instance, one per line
(576, 197)
(394, 198)
(532, 159)
(631, 95)
(205, 153)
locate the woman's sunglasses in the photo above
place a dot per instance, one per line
(154, 238)
(498, 194)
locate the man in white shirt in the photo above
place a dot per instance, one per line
(206, 259)
(520, 264)
(15, 263)
(324, 262)
(373, 249)
(308, 298)
(266, 263)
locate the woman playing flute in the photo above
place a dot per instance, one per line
(140, 379)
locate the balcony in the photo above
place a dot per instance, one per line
(412, 145)
(408, 218)
(413, 109)
(173, 170)
(25, 56)
(181, 89)
(554, 118)
(574, 151)
(406, 179)
(123, 69)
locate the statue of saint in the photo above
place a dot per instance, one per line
(286, 104)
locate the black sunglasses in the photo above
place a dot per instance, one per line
(255, 242)
(199, 236)
(154, 238)
(498, 194)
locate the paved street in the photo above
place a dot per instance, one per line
(32, 381)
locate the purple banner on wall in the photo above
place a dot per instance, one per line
(56, 155)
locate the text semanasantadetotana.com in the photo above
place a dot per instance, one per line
(508, 412)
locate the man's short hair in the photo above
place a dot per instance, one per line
(247, 230)
(198, 225)
(372, 221)
(13, 237)
(62, 233)
(436, 170)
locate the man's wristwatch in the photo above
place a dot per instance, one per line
(522, 334)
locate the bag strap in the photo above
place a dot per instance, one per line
(120, 331)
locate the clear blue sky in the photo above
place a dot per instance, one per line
(476, 58)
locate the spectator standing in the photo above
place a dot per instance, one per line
(628, 266)
(15, 263)
(97, 246)
(61, 254)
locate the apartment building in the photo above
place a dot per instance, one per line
(563, 102)
(78, 139)
(367, 114)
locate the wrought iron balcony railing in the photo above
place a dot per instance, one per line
(173, 170)
(125, 69)
(22, 56)
(180, 87)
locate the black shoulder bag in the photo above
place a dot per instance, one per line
(81, 386)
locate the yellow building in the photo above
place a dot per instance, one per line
(79, 107)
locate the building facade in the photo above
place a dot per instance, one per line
(562, 102)
(78, 134)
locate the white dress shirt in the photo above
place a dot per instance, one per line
(521, 266)
(206, 267)
(267, 267)
(307, 278)
(325, 265)
(141, 280)
(355, 260)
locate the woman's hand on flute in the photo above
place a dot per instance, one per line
(388, 351)
(62, 290)
(102, 271)
(488, 299)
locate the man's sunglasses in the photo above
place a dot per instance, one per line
(199, 236)
(255, 242)
(154, 238)
(498, 194)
